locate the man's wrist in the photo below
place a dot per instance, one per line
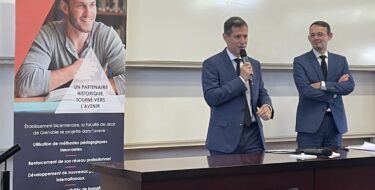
(323, 85)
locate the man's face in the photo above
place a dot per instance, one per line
(237, 40)
(81, 14)
(319, 37)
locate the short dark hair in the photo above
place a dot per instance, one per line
(323, 24)
(233, 22)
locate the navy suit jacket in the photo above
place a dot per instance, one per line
(313, 102)
(224, 92)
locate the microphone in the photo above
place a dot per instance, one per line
(244, 58)
(9, 153)
(315, 151)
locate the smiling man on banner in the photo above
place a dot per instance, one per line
(61, 48)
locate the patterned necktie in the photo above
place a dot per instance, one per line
(323, 65)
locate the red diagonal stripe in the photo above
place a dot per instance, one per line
(30, 15)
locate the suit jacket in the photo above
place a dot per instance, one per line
(224, 92)
(313, 103)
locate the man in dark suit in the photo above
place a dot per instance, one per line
(321, 78)
(237, 97)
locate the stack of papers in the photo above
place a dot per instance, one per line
(366, 146)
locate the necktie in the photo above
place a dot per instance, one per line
(323, 65)
(238, 68)
(247, 117)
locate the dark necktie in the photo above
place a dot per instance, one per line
(323, 65)
(247, 118)
(238, 68)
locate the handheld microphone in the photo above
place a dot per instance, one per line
(314, 151)
(244, 58)
(9, 153)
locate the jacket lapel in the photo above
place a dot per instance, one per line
(228, 63)
(316, 65)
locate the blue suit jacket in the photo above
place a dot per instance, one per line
(224, 92)
(313, 102)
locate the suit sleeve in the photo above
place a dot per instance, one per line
(344, 87)
(303, 82)
(263, 97)
(216, 93)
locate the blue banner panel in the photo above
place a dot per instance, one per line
(57, 147)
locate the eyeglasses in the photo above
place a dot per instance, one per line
(320, 34)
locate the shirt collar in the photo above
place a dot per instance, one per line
(69, 44)
(317, 54)
(231, 56)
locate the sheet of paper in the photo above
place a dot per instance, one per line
(303, 156)
(365, 146)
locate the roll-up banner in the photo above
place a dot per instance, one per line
(69, 91)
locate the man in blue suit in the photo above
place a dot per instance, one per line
(237, 97)
(321, 78)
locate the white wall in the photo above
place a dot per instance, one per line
(6, 111)
(6, 105)
(165, 107)
(190, 30)
(7, 23)
(7, 31)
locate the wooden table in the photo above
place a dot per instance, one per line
(352, 170)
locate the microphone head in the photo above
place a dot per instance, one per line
(243, 53)
(316, 151)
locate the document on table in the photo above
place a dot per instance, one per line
(366, 146)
